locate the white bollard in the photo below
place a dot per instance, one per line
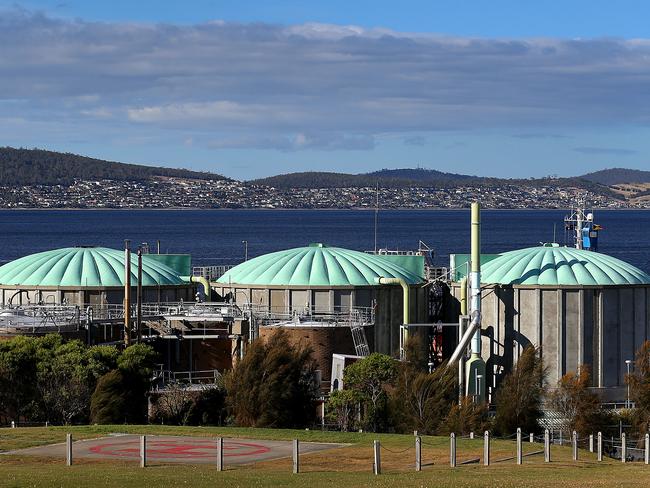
(418, 453)
(600, 446)
(547, 446)
(519, 447)
(574, 445)
(68, 449)
(591, 443)
(471, 435)
(647, 449)
(486, 448)
(531, 437)
(13, 424)
(143, 451)
(220, 454)
(452, 450)
(296, 456)
(376, 466)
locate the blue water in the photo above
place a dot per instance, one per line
(215, 236)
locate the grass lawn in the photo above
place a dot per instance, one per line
(350, 465)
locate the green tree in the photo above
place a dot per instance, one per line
(519, 397)
(342, 407)
(110, 402)
(371, 377)
(273, 385)
(466, 417)
(18, 373)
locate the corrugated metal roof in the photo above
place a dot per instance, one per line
(317, 265)
(83, 266)
(554, 265)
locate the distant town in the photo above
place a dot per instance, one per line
(170, 192)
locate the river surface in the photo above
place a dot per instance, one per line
(215, 236)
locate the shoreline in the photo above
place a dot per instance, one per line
(331, 209)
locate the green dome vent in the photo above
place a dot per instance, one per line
(553, 265)
(317, 265)
(83, 267)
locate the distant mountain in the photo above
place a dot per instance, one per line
(616, 176)
(39, 167)
(387, 178)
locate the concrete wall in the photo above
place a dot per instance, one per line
(597, 326)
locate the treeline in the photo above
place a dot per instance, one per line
(419, 178)
(46, 379)
(39, 167)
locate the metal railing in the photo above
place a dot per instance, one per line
(40, 318)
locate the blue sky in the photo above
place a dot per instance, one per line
(249, 89)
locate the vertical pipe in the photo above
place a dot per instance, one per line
(139, 297)
(143, 451)
(600, 446)
(574, 445)
(520, 453)
(547, 446)
(68, 449)
(220, 454)
(158, 246)
(418, 453)
(127, 293)
(486, 448)
(452, 450)
(461, 332)
(296, 456)
(475, 274)
(376, 465)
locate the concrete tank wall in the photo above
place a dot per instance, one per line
(597, 326)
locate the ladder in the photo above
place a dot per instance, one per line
(358, 334)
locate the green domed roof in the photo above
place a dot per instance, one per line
(316, 265)
(83, 266)
(554, 265)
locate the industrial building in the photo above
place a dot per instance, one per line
(91, 276)
(579, 306)
(335, 299)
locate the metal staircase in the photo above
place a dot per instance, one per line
(357, 322)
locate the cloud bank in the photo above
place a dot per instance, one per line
(311, 86)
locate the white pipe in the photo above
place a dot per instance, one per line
(462, 344)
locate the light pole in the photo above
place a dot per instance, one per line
(245, 243)
(628, 363)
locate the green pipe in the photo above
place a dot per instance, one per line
(463, 296)
(203, 281)
(405, 292)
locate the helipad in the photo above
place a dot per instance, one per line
(189, 450)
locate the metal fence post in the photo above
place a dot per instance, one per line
(547, 446)
(68, 449)
(591, 443)
(574, 445)
(531, 437)
(296, 456)
(647, 449)
(220, 454)
(600, 446)
(418, 453)
(486, 448)
(452, 450)
(519, 447)
(376, 466)
(143, 451)
(623, 448)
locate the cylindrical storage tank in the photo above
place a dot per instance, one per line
(86, 276)
(324, 340)
(320, 279)
(580, 307)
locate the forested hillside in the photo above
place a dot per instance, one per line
(39, 167)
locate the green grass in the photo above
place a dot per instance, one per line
(348, 466)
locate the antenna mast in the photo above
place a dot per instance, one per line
(376, 214)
